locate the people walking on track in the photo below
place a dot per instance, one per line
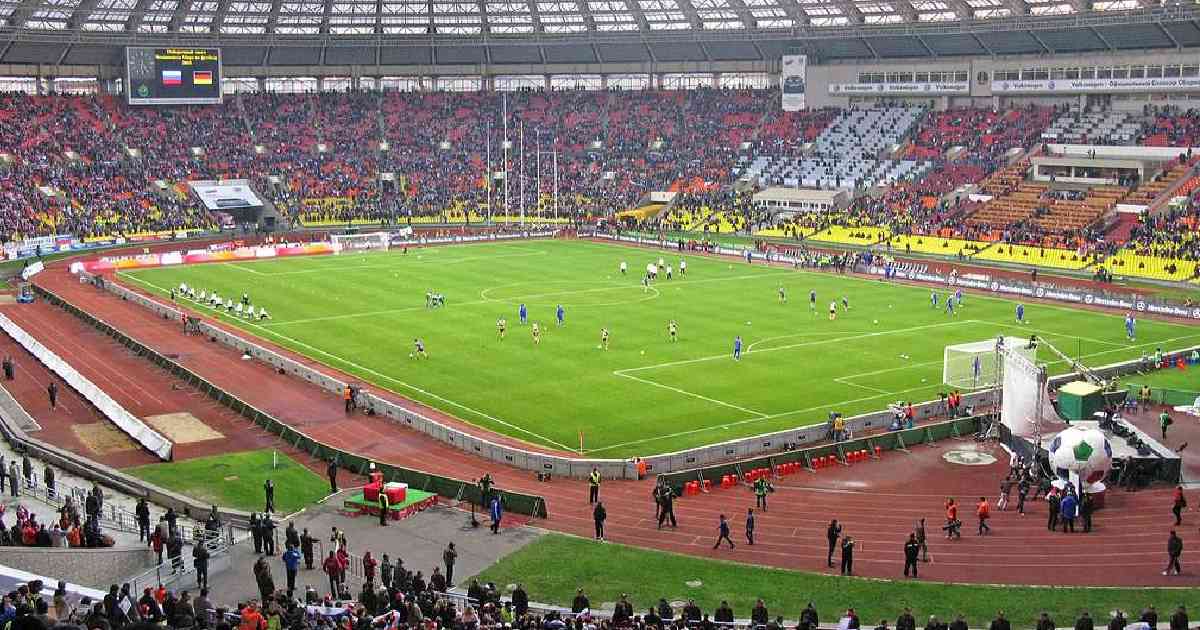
(723, 533)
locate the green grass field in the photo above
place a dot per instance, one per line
(1183, 380)
(606, 571)
(236, 480)
(645, 395)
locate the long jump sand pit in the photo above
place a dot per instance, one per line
(103, 438)
(183, 428)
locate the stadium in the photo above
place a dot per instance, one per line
(599, 314)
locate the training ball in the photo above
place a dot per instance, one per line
(410, 355)
(731, 266)
(876, 322)
(643, 352)
(922, 380)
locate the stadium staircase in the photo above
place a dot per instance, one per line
(241, 107)
(1122, 228)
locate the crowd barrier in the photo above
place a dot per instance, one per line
(445, 486)
(892, 440)
(133, 426)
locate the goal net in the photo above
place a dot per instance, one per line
(350, 243)
(976, 365)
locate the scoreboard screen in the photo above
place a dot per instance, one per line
(173, 76)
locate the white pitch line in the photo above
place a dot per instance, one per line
(792, 346)
(387, 377)
(1011, 325)
(485, 300)
(694, 395)
(843, 380)
(389, 311)
(750, 348)
(775, 416)
(256, 272)
(735, 423)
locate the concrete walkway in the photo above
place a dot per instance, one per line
(417, 540)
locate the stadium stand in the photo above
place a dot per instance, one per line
(1077, 126)
(846, 154)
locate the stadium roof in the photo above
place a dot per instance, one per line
(75, 41)
(516, 17)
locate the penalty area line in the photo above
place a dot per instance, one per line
(386, 377)
(692, 394)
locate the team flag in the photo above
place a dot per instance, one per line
(172, 77)
(202, 77)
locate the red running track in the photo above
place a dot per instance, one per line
(877, 501)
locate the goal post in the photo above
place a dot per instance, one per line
(976, 365)
(352, 243)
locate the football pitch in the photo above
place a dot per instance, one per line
(360, 313)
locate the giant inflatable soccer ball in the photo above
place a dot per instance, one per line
(1083, 451)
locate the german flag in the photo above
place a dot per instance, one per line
(202, 77)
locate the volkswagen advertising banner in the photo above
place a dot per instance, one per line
(794, 78)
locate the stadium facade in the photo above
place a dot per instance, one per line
(981, 53)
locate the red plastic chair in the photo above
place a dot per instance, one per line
(878, 451)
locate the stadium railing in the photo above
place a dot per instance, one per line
(456, 489)
(13, 418)
(111, 517)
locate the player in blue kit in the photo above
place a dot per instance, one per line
(958, 297)
(845, 303)
(782, 296)
(976, 370)
(812, 301)
(933, 299)
(1020, 313)
(560, 315)
(949, 305)
(1130, 327)
(523, 313)
(737, 348)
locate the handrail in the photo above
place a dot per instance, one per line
(171, 571)
(111, 516)
(1167, 194)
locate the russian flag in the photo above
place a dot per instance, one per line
(172, 77)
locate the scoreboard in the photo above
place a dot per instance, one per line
(173, 76)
